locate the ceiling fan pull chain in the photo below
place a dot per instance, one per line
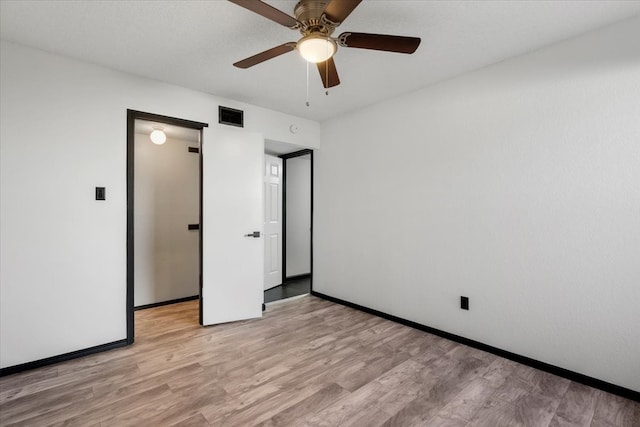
(307, 83)
(326, 72)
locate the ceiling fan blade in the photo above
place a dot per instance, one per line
(328, 73)
(267, 54)
(338, 10)
(268, 11)
(384, 42)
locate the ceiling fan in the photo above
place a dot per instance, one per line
(317, 20)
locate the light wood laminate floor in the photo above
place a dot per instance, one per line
(308, 362)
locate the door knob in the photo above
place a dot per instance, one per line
(255, 234)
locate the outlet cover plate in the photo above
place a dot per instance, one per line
(101, 193)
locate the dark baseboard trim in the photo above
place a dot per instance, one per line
(61, 358)
(160, 304)
(296, 277)
(552, 369)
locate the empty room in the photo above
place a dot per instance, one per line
(320, 213)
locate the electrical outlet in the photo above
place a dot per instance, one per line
(101, 193)
(464, 303)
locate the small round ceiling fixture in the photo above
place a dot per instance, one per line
(158, 137)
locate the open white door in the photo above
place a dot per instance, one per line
(232, 262)
(272, 221)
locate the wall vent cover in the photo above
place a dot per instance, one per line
(230, 116)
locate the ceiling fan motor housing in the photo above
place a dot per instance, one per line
(310, 14)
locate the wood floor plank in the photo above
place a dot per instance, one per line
(440, 421)
(396, 388)
(87, 377)
(551, 385)
(183, 405)
(119, 386)
(23, 379)
(42, 404)
(306, 362)
(351, 410)
(535, 409)
(577, 407)
(459, 365)
(197, 420)
(313, 404)
(111, 410)
(513, 388)
(262, 408)
(368, 367)
(92, 411)
(612, 410)
(497, 413)
(465, 404)
(498, 371)
(433, 395)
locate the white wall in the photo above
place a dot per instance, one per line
(167, 199)
(63, 254)
(517, 185)
(298, 215)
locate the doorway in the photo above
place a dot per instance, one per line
(297, 226)
(272, 212)
(157, 222)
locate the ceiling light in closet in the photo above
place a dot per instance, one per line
(158, 137)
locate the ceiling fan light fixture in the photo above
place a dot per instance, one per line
(316, 48)
(158, 137)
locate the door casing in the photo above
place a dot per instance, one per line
(284, 158)
(132, 116)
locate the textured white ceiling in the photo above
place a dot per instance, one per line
(194, 43)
